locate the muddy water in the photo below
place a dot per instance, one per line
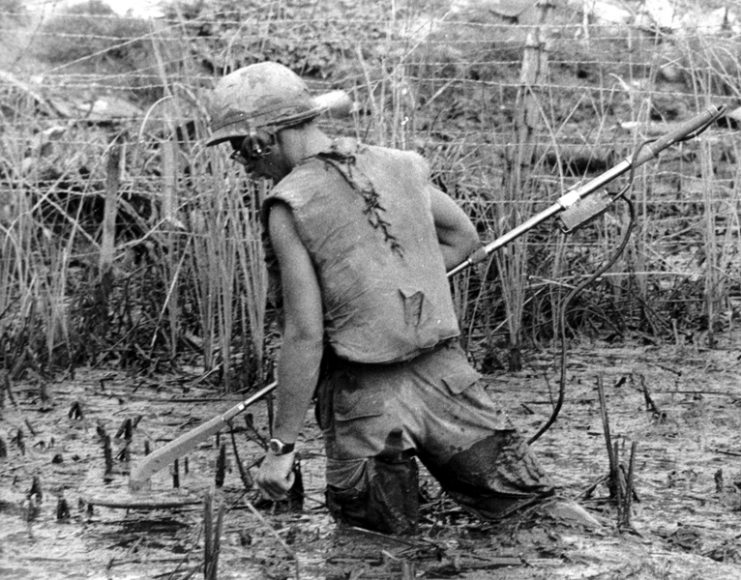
(102, 536)
(688, 476)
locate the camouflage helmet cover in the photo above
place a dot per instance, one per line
(265, 95)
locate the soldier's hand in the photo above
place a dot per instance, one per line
(275, 476)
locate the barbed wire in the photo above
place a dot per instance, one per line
(423, 22)
(62, 80)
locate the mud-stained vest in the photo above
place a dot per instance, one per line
(364, 215)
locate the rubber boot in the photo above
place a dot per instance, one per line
(494, 477)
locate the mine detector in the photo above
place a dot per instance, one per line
(575, 208)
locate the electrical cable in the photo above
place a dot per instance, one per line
(711, 117)
(578, 288)
(562, 319)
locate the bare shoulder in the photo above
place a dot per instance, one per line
(445, 210)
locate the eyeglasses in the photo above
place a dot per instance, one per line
(249, 150)
(239, 157)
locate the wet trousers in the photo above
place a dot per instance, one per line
(377, 419)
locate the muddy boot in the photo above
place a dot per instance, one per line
(385, 496)
(495, 477)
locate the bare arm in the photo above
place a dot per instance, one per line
(455, 231)
(301, 350)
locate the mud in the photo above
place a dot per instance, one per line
(679, 404)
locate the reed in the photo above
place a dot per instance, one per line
(34, 263)
(182, 238)
(227, 262)
(721, 194)
(520, 189)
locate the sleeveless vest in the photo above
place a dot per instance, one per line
(363, 213)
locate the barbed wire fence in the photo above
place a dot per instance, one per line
(102, 169)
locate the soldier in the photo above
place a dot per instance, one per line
(359, 241)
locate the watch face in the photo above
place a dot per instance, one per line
(275, 446)
(279, 448)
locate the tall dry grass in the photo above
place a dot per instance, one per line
(209, 216)
(182, 238)
(227, 263)
(39, 236)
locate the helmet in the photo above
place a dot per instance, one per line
(263, 96)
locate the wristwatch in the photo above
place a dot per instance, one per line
(277, 447)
